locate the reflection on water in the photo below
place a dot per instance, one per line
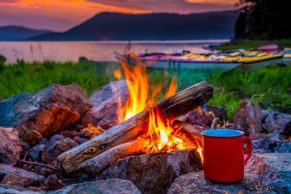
(98, 51)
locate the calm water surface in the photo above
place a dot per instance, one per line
(98, 50)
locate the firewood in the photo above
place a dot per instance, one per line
(192, 129)
(214, 122)
(105, 159)
(15, 176)
(189, 133)
(129, 130)
(38, 164)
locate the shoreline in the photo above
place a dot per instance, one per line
(252, 44)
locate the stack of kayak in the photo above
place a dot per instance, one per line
(276, 49)
(286, 60)
(216, 60)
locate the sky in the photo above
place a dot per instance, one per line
(60, 15)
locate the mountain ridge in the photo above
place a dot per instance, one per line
(13, 32)
(155, 26)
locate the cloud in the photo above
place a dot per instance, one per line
(9, 1)
(53, 12)
(223, 2)
(180, 6)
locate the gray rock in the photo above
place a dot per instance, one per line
(2, 59)
(31, 137)
(52, 182)
(80, 140)
(270, 146)
(287, 130)
(56, 145)
(36, 152)
(110, 186)
(219, 112)
(15, 176)
(272, 170)
(10, 147)
(105, 103)
(154, 173)
(282, 147)
(249, 118)
(47, 111)
(264, 173)
(277, 122)
(195, 183)
(8, 189)
(203, 119)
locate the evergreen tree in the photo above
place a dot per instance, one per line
(264, 19)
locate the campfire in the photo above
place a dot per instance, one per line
(144, 126)
(160, 135)
(129, 129)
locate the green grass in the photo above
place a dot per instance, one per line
(267, 87)
(250, 44)
(21, 77)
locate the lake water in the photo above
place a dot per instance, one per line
(98, 50)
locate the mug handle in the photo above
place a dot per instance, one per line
(249, 149)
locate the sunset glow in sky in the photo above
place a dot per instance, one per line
(60, 15)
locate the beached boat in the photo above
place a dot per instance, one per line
(191, 64)
(270, 48)
(251, 60)
(286, 60)
(222, 61)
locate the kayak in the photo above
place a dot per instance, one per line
(223, 62)
(286, 60)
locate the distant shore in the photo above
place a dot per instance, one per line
(252, 44)
(94, 50)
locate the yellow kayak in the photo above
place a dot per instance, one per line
(257, 59)
(248, 59)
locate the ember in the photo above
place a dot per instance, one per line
(160, 133)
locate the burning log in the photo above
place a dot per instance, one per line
(103, 160)
(192, 129)
(130, 130)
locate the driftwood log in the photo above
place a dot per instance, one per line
(103, 160)
(10, 175)
(129, 130)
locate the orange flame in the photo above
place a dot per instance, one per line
(138, 87)
(172, 89)
(117, 74)
(161, 135)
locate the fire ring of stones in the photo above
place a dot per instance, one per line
(60, 141)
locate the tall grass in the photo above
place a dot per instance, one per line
(267, 87)
(21, 77)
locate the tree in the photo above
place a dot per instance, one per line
(241, 26)
(264, 19)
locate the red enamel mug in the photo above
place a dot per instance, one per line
(224, 154)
